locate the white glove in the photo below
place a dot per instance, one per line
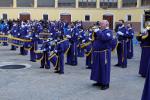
(83, 41)
(90, 39)
(90, 34)
(55, 40)
(55, 51)
(68, 36)
(96, 30)
(36, 35)
(51, 33)
(144, 31)
(8, 32)
(114, 37)
(44, 49)
(50, 39)
(120, 33)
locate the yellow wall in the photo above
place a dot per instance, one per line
(76, 13)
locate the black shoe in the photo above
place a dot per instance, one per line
(67, 64)
(88, 67)
(97, 84)
(33, 60)
(143, 76)
(61, 73)
(117, 65)
(41, 67)
(73, 64)
(104, 87)
(47, 67)
(124, 66)
(56, 71)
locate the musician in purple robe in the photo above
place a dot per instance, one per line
(130, 35)
(144, 38)
(146, 91)
(102, 56)
(122, 45)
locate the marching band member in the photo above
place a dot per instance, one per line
(130, 35)
(144, 38)
(122, 45)
(102, 56)
(72, 35)
(34, 44)
(5, 29)
(87, 46)
(146, 62)
(46, 47)
(23, 31)
(14, 32)
(59, 50)
(80, 38)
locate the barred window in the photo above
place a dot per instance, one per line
(145, 3)
(129, 17)
(129, 3)
(4, 16)
(46, 3)
(6, 3)
(45, 16)
(87, 17)
(108, 3)
(25, 3)
(66, 3)
(87, 3)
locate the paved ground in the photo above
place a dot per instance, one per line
(39, 84)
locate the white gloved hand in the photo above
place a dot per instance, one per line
(55, 51)
(90, 39)
(36, 35)
(96, 30)
(51, 33)
(44, 49)
(76, 33)
(55, 40)
(68, 36)
(8, 32)
(120, 33)
(83, 41)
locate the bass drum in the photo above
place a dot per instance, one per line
(53, 59)
(39, 55)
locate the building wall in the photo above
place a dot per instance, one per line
(78, 13)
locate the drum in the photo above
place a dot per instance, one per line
(44, 35)
(87, 48)
(3, 38)
(53, 59)
(19, 42)
(28, 45)
(39, 55)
